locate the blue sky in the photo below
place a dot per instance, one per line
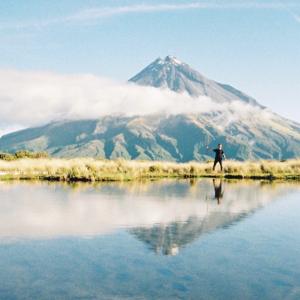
(253, 45)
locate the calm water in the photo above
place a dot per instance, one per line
(157, 240)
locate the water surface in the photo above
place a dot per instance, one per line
(167, 239)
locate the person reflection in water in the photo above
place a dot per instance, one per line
(218, 190)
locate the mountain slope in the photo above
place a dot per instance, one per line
(246, 128)
(175, 138)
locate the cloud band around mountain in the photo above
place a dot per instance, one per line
(36, 98)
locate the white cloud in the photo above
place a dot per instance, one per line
(35, 98)
(5, 129)
(30, 98)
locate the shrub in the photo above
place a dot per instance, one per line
(154, 168)
(22, 154)
(42, 154)
(28, 154)
(7, 156)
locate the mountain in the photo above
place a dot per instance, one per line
(171, 73)
(247, 129)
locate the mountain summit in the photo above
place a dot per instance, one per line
(171, 73)
(247, 131)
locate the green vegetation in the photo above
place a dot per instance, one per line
(89, 169)
(23, 154)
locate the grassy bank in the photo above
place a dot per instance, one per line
(88, 169)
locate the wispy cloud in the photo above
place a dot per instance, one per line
(293, 14)
(297, 18)
(98, 13)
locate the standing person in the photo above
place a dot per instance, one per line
(219, 156)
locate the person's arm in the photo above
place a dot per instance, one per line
(214, 150)
(224, 156)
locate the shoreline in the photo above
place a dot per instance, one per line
(97, 170)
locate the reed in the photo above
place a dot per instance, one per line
(90, 169)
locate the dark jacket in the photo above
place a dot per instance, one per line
(219, 154)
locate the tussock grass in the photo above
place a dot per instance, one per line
(89, 169)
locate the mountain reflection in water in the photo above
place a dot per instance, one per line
(166, 215)
(168, 239)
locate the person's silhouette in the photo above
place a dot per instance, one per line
(218, 190)
(219, 155)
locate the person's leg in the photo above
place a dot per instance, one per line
(215, 163)
(221, 165)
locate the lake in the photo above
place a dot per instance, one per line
(168, 239)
